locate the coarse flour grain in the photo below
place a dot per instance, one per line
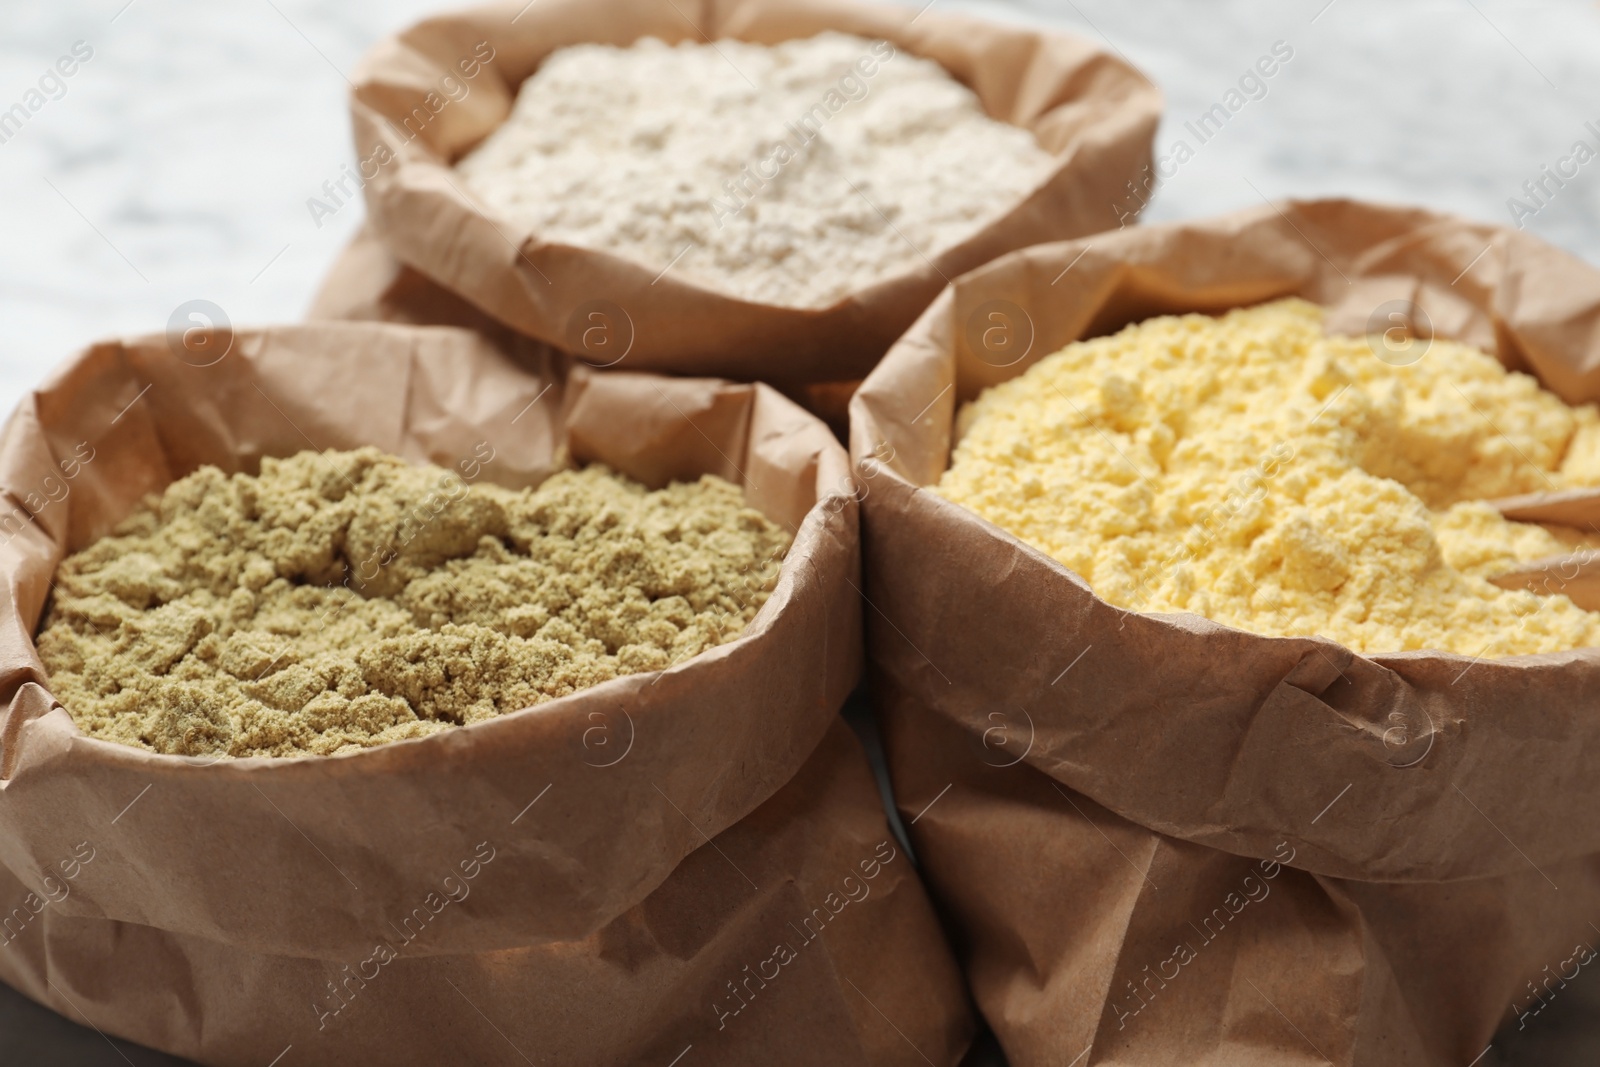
(792, 175)
(342, 600)
(1250, 469)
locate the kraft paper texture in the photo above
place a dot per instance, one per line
(424, 98)
(367, 284)
(1165, 841)
(580, 881)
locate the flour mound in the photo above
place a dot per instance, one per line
(1250, 469)
(348, 599)
(792, 175)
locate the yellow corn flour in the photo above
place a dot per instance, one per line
(1252, 470)
(347, 599)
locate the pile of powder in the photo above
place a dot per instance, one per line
(791, 174)
(1254, 471)
(348, 599)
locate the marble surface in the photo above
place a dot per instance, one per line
(177, 160)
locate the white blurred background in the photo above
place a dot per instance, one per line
(177, 162)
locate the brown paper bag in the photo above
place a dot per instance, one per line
(367, 284)
(1165, 841)
(581, 880)
(424, 98)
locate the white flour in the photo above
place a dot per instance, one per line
(794, 174)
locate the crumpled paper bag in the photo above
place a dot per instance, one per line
(584, 881)
(1162, 840)
(367, 284)
(424, 98)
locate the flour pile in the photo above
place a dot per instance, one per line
(792, 175)
(348, 599)
(1252, 470)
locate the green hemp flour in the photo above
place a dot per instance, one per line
(343, 600)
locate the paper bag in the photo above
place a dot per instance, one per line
(367, 284)
(424, 98)
(586, 880)
(1166, 841)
